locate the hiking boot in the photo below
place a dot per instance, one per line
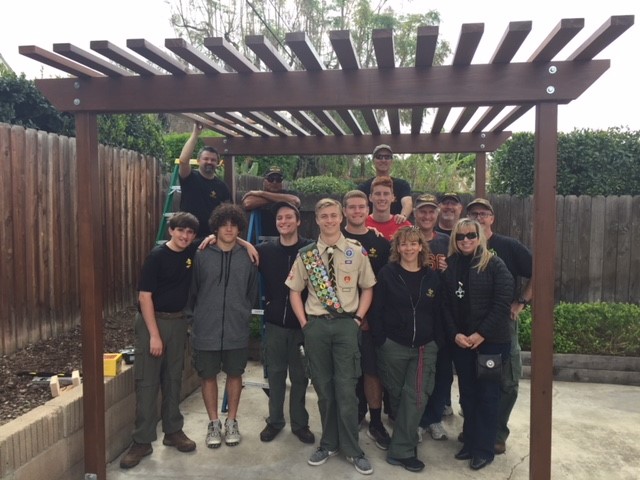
(231, 432)
(320, 456)
(411, 464)
(180, 441)
(269, 432)
(448, 411)
(214, 434)
(305, 435)
(380, 435)
(362, 465)
(135, 454)
(437, 431)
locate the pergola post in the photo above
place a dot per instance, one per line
(544, 249)
(91, 265)
(481, 175)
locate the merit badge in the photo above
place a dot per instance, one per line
(348, 253)
(347, 279)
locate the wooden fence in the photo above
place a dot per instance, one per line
(39, 236)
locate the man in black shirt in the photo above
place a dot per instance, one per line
(283, 333)
(201, 190)
(450, 207)
(519, 262)
(264, 199)
(402, 203)
(369, 389)
(161, 333)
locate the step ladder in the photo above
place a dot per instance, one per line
(167, 211)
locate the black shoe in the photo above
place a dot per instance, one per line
(477, 463)
(463, 454)
(269, 433)
(461, 437)
(412, 463)
(379, 435)
(305, 435)
(499, 448)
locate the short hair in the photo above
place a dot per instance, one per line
(327, 202)
(354, 194)
(409, 234)
(184, 220)
(382, 182)
(482, 252)
(280, 205)
(210, 150)
(227, 212)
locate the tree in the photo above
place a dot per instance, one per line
(590, 162)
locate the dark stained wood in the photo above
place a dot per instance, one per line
(511, 117)
(371, 121)
(308, 122)
(91, 294)
(557, 39)
(603, 37)
(393, 116)
(583, 224)
(354, 145)
(229, 55)
(57, 61)
(623, 247)
(463, 119)
(417, 115)
(596, 248)
(426, 44)
(152, 53)
(301, 45)
(32, 230)
(557, 278)
(481, 174)
(45, 253)
(511, 41)
(267, 53)
(522, 83)
(124, 58)
(345, 50)
(211, 124)
(350, 121)
(249, 125)
(544, 247)
(634, 263)
(7, 333)
(326, 118)
(265, 122)
(569, 242)
(287, 123)
(383, 47)
(19, 287)
(192, 55)
(96, 63)
(487, 118)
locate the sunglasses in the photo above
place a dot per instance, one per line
(462, 236)
(480, 214)
(274, 179)
(384, 157)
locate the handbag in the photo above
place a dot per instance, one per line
(489, 367)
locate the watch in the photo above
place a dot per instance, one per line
(523, 301)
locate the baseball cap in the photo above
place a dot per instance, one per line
(382, 147)
(452, 196)
(273, 170)
(481, 202)
(426, 199)
(278, 205)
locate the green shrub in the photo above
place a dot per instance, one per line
(591, 328)
(322, 186)
(255, 327)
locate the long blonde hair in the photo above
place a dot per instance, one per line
(481, 252)
(409, 234)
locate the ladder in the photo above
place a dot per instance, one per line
(167, 211)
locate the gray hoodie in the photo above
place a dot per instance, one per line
(223, 291)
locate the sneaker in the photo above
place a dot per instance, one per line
(421, 432)
(214, 434)
(448, 411)
(411, 464)
(305, 435)
(269, 432)
(180, 441)
(437, 431)
(231, 432)
(136, 453)
(320, 456)
(380, 435)
(362, 465)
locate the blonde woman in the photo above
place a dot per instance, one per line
(404, 321)
(477, 310)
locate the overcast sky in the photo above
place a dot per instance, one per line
(614, 100)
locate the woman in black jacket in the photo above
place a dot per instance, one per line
(404, 324)
(478, 292)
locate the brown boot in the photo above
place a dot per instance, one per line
(135, 454)
(180, 441)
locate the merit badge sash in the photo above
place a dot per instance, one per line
(325, 290)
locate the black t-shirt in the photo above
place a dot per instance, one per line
(401, 189)
(412, 280)
(442, 230)
(268, 218)
(438, 248)
(167, 275)
(200, 196)
(514, 254)
(377, 248)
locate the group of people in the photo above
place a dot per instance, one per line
(374, 307)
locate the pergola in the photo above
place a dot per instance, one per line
(263, 106)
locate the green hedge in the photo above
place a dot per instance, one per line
(591, 328)
(322, 185)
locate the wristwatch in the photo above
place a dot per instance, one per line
(523, 301)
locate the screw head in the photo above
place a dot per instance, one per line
(76, 101)
(553, 69)
(551, 89)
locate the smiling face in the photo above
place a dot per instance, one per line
(381, 197)
(272, 183)
(450, 210)
(287, 222)
(181, 238)
(382, 162)
(356, 211)
(409, 250)
(483, 216)
(208, 162)
(329, 219)
(465, 244)
(227, 234)
(426, 217)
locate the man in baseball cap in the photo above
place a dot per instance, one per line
(450, 211)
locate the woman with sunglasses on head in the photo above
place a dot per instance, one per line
(405, 322)
(478, 291)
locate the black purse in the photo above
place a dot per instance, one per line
(489, 367)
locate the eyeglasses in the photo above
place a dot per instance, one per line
(480, 214)
(384, 157)
(462, 236)
(274, 179)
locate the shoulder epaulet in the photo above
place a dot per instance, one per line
(355, 242)
(307, 248)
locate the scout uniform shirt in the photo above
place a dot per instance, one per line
(352, 270)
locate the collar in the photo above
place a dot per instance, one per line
(341, 244)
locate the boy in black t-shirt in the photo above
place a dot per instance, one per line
(160, 336)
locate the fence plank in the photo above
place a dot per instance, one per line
(609, 249)
(596, 248)
(634, 262)
(7, 319)
(31, 239)
(43, 245)
(557, 281)
(581, 249)
(623, 250)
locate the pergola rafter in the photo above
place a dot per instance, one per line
(281, 110)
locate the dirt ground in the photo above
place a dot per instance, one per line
(18, 392)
